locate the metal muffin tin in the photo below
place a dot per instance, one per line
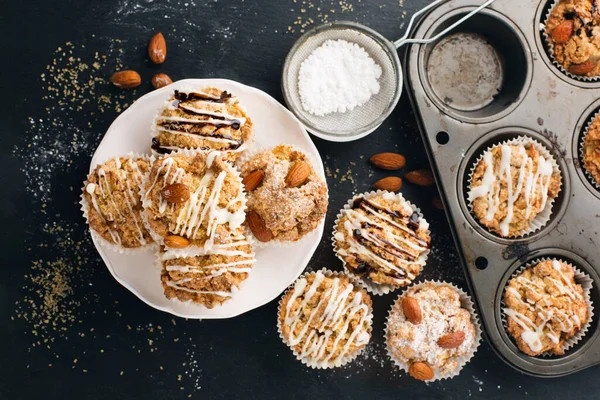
(532, 97)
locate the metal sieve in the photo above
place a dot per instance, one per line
(352, 125)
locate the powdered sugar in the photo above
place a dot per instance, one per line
(338, 76)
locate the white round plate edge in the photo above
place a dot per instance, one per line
(161, 93)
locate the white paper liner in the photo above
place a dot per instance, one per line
(145, 180)
(542, 218)
(466, 303)
(159, 266)
(229, 155)
(313, 363)
(582, 150)
(247, 156)
(581, 278)
(377, 288)
(85, 207)
(549, 44)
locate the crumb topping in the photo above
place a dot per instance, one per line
(591, 150)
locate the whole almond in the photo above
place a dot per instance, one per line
(298, 174)
(157, 49)
(175, 193)
(451, 340)
(126, 79)
(253, 179)
(437, 203)
(412, 310)
(176, 242)
(421, 371)
(161, 80)
(421, 177)
(391, 184)
(583, 68)
(563, 32)
(389, 161)
(258, 227)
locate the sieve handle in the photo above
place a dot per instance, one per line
(404, 39)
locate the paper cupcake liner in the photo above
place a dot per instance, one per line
(373, 287)
(582, 153)
(146, 179)
(542, 218)
(549, 44)
(85, 207)
(231, 155)
(581, 278)
(466, 303)
(313, 363)
(247, 156)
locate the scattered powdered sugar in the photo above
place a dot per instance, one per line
(338, 76)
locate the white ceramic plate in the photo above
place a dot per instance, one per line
(276, 267)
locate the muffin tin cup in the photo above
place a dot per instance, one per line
(247, 156)
(313, 363)
(146, 179)
(373, 287)
(466, 303)
(550, 47)
(582, 150)
(581, 278)
(230, 155)
(85, 207)
(543, 217)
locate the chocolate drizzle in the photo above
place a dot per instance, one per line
(223, 97)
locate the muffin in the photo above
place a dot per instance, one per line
(286, 197)
(112, 204)
(193, 196)
(207, 277)
(573, 30)
(591, 150)
(511, 185)
(205, 119)
(545, 307)
(325, 319)
(382, 238)
(429, 333)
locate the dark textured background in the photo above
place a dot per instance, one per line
(95, 340)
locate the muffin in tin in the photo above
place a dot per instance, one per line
(429, 332)
(286, 197)
(205, 119)
(207, 277)
(590, 151)
(112, 202)
(545, 307)
(512, 187)
(325, 318)
(382, 239)
(193, 196)
(573, 31)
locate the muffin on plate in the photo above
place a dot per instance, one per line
(112, 204)
(206, 119)
(207, 277)
(545, 307)
(325, 318)
(286, 197)
(512, 188)
(382, 238)
(193, 196)
(429, 333)
(573, 31)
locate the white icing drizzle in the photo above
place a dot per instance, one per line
(527, 184)
(211, 113)
(130, 196)
(404, 246)
(338, 310)
(533, 334)
(203, 202)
